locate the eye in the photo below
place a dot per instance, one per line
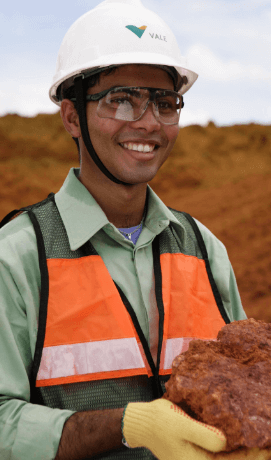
(120, 100)
(124, 95)
(167, 102)
(167, 105)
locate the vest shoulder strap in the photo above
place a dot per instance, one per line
(17, 212)
(190, 224)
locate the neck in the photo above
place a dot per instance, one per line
(123, 205)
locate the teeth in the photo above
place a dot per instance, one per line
(139, 147)
(148, 148)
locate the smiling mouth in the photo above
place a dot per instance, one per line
(146, 148)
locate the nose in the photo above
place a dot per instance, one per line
(149, 119)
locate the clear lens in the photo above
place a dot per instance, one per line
(129, 104)
(169, 106)
(122, 104)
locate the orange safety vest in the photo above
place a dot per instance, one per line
(90, 332)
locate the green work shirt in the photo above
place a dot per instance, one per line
(33, 432)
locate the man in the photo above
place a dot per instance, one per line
(102, 285)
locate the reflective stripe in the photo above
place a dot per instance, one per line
(174, 347)
(90, 358)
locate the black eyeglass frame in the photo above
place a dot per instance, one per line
(152, 91)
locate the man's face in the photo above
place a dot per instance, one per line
(112, 139)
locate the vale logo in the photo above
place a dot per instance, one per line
(139, 31)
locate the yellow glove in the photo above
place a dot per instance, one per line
(170, 434)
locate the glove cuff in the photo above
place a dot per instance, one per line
(124, 442)
(136, 424)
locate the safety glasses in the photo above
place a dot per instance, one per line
(129, 103)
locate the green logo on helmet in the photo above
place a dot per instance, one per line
(139, 31)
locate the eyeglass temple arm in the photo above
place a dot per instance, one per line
(93, 97)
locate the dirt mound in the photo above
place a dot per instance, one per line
(220, 175)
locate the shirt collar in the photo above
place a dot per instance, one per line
(158, 216)
(83, 217)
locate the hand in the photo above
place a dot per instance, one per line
(169, 433)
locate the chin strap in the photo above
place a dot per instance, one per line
(81, 108)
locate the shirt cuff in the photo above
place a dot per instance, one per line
(39, 432)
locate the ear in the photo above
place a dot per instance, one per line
(70, 118)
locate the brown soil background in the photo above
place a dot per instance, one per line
(220, 175)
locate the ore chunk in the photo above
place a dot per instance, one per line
(227, 383)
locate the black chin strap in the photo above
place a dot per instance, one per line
(81, 108)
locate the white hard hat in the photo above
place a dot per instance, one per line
(118, 32)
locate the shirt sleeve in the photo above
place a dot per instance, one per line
(223, 274)
(27, 431)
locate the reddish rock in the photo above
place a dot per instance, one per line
(227, 383)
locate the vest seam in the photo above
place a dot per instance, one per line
(157, 388)
(44, 294)
(159, 298)
(79, 258)
(204, 252)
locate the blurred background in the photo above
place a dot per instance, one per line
(220, 168)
